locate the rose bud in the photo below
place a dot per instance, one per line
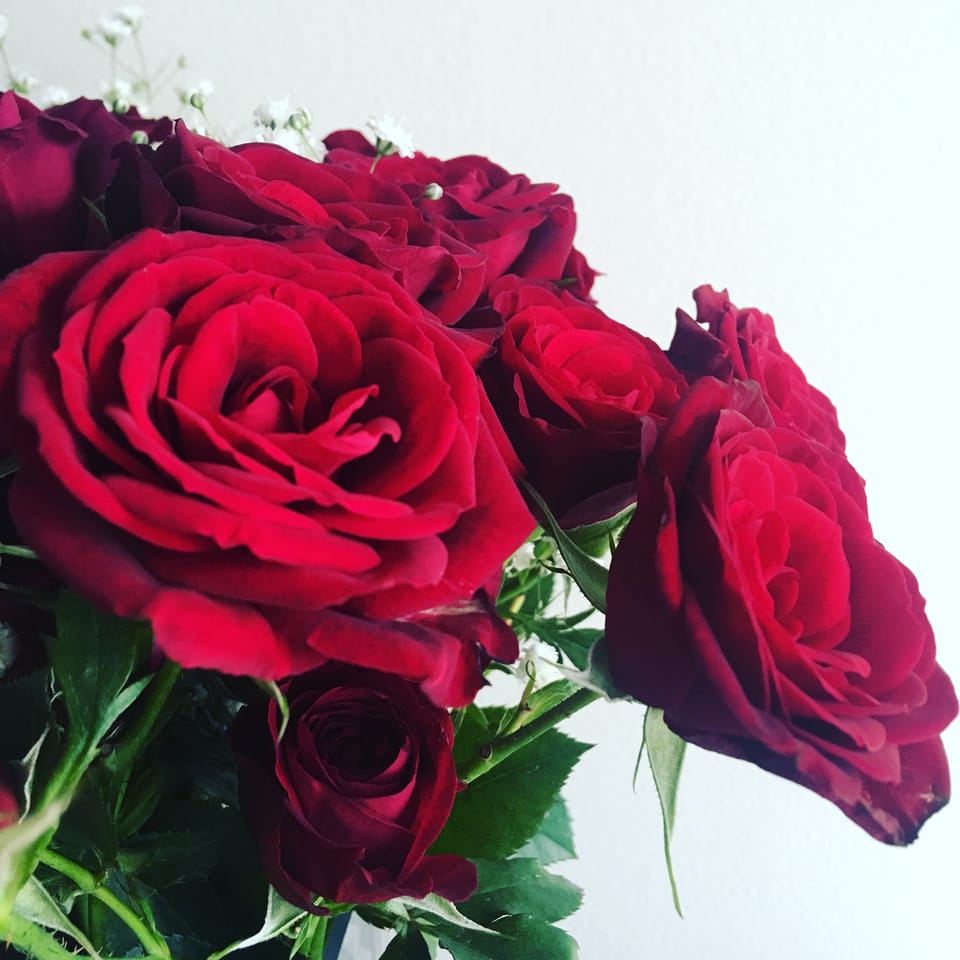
(345, 806)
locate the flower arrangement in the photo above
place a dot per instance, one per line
(307, 440)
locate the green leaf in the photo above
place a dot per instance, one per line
(8, 648)
(473, 732)
(665, 754)
(596, 538)
(165, 859)
(93, 657)
(589, 575)
(596, 676)
(32, 941)
(554, 840)
(520, 887)
(574, 643)
(503, 808)
(24, 715)
(547, 697)
(36, 904)
(536, 703)
(508, 938)
(408, 944)
(18, 845)
(280, 916)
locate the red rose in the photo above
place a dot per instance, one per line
(521, 227)
(261, 189)
(750, 600)
(733, 344)
(346, 805)
(580, 396)
(9, 807)
(51, 163)
(259, 448)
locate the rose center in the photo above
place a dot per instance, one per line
(360, 748)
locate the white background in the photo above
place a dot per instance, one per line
(803, 154)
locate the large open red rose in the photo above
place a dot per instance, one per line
(347, 803)
(270, 452)
(750, 600)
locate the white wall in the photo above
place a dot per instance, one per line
(804, 154)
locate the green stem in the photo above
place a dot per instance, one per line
(153, 944)
(499, 749)
(32, 941)
(96, 928)
(319, 939)
(518, 591)
(523, 706)
(144, 728)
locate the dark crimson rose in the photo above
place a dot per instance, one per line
(51, 163)
(521, 227)
(346, 804)
(9, 807)
(733, 344)
(261, 189)
(749, 599)
(270, 452)
(580, 396)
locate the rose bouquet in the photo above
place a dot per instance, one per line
(300, 453)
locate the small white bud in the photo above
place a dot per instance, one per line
(300, 120)
(195, 95)
(432, 191)
(139, 137)
(117, 96)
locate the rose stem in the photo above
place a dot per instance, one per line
(142, 730)
(492, 753)
(88, 884)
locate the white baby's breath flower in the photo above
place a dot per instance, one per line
(52, 97)
(287, 138)
(391, 137)
(4, 23)
(132, 16)
(21, 81)
(432, 191)
(524, 557)
(113, 29)
(272, 114)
